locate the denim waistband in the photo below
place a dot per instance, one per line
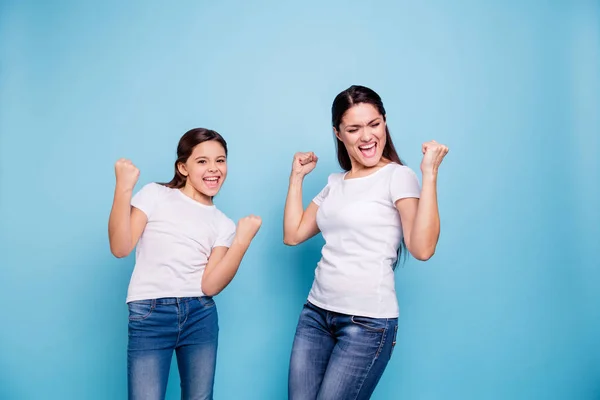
(171, 300)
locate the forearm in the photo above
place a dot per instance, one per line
(216, 278)
(119, 223)
(426, 227)
(294, 210)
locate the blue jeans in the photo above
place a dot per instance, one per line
(338, 356)
(189, 326)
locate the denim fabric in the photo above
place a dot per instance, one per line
(337, 356)
(157, 328)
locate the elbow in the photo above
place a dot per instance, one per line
(118, 247)
(289, 241)
(210, 293)
(423, 255)
(209, 290)
(118, 252)
(422, 250)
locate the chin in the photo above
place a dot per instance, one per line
(211, 193)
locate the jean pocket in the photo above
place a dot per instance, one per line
(206, 301)
(372, 324)
(140, 310)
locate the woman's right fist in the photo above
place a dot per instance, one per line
(127, 174)
(304, 163)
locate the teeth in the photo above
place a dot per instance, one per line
(367, 147)
(211, 179)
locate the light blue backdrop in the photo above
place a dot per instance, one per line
(507, 309)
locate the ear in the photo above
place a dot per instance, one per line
(337, 134)
(182, 169)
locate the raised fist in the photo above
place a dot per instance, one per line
(433, 154)
(247, 228)
(127, 174)
(304, 163)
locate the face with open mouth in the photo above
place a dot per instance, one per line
(362, 131)
(206, 170)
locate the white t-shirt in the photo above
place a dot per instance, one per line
(362, 231)
(174, 248)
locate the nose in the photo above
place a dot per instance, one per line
(366, 135)
(212, 167)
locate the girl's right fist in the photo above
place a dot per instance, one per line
(127, 174)
(247, 228)
(304, 163)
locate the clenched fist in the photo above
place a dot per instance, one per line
(247, 228)
(127, 174)
(304, 163)
(433, 154)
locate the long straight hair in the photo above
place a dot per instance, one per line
(345, 100)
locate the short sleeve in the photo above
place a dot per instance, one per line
(404, 184)
(226, 233)
(147, 198)
(318, 199)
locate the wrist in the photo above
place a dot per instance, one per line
(296, 178)
(241, 242)
(429, 176)
(123, 189)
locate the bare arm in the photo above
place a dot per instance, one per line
(126, 223)
(224, 262)
(421, 221)
(299, 225)
(125, 226)
(420, 217)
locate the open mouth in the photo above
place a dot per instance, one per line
(368, 150)
(211, 182)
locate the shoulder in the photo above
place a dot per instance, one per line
(147, 198)
(335, 177)
(152, 193)
(154, 187)
(223, 220)
(149, 191)
(398, 171)
(403, 182)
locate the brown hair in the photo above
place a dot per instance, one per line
(186, 145)
(354, 95)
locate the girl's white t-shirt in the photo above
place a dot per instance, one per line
(362, 231)
(174, 248)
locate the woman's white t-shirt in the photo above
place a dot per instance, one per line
(175, 246)
(362, 231)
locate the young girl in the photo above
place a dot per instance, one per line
(347, 328)
(187, 252)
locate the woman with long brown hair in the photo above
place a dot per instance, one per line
(347, 329)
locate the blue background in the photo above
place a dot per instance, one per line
(508, 308)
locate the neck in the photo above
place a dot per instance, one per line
(358, 170)
(194, 194)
